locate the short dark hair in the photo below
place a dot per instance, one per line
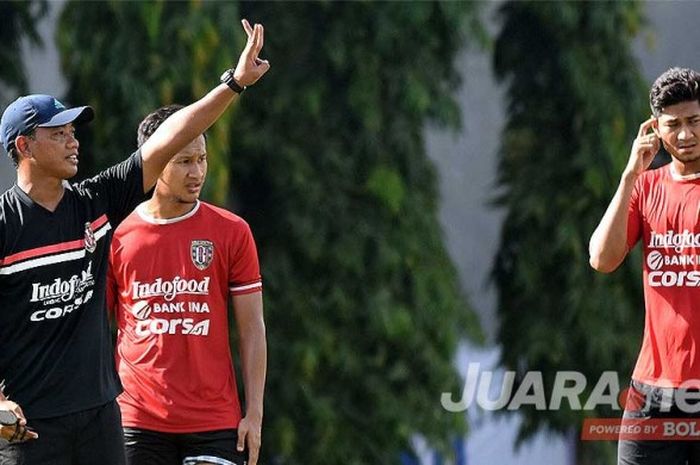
(13, 156)
(151, 122)
(12, 152)
(674, 86)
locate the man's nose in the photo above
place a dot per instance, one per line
(72, 140)
(685, 133)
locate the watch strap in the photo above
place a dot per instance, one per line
(228, 79)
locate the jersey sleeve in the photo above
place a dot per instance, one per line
(121, 187)
(634, 216)
(244, 268)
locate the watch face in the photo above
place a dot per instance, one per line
(226, 75)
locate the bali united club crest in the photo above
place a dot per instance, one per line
(90, 241)
(202, 253)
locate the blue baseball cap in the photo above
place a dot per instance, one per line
(38, 111)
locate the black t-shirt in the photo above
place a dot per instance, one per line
(55, 344)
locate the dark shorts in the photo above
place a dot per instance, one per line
(90, 437)
(654, 402)
(145, 447)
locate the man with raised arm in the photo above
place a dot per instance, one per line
(661, 208)
(56, 356)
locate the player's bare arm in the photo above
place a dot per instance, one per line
(182, 127)
(608, 244)
(248, 309)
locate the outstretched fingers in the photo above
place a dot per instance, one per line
(255, 40)
(261, 39)
(250, 67)
(247, 27)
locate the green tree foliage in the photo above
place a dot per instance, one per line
(575, 100)
(329, 168)
(137, 56)
(333, 175)
(18, 24)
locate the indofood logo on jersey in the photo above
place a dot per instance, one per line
(673, 242)
(671, 239)
(169, 289)
(173, 314)
(63, 296)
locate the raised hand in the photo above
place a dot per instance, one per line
(644, 148)
(250, 67)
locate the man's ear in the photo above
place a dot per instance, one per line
(655, 127)
(22, 146)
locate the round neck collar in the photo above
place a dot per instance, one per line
(147, 217)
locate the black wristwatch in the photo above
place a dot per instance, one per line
(227, 78)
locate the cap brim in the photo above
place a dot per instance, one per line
(75, 115)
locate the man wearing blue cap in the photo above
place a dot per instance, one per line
(55, 345)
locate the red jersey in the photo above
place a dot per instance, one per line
(665, 213)
(169, 283)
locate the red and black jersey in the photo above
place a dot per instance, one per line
(170, 282)
(55, 347)
(664, 213)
